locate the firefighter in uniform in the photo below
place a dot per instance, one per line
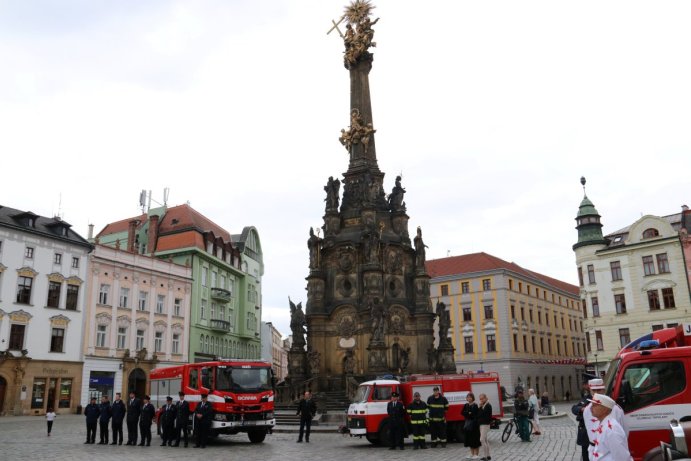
(396, 412)
(438, 405)
(418, 420)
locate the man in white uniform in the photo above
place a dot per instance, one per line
(608, 438)
(597, 386)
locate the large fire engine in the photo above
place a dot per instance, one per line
(367, 414)
(650, 378)
(240, 392)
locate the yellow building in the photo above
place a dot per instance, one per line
(525, 326)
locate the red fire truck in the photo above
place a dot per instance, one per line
(650, 378)
(367, 414)
(241, 394)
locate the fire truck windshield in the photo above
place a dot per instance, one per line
(236, 379)
(362, 394)
(610, 375)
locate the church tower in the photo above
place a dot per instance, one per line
(368, 309)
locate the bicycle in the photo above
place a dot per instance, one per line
(513, 422)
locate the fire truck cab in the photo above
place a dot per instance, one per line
(241, 394)
(367, 415)
(650, 378)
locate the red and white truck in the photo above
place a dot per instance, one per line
(650, 378)
(367, 416)
(241, 394)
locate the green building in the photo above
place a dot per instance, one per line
(225, 306)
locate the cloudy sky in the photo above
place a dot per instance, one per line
(491, 110)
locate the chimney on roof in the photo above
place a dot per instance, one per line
(131, 229)
(153, 233)
(90, 235)
(686, 217)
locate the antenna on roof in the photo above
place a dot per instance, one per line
(60, 206)
(142, 199)
(166, 192)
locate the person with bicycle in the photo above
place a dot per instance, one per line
(521, 409)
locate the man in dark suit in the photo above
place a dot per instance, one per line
(134, 410)
(182, 420)
(104, 420)
(202, 421)
(91, 412)
(396, 411)
(147, 416)
(167, 420)
(118, 410)
(307, 408)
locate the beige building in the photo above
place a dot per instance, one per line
(525, 326)
(633, 281)
(137, 318)
(274, 351)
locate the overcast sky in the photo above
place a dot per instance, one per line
(491, 110)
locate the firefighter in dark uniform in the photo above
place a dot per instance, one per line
(202, 421)
(104, 419)
(396, 412)
(438, 405)
(92, 411)
(134, 410)
(147, 416)
(418, 420)
(183, 418)
(169, 414)
(119, 411)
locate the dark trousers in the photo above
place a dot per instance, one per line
(91, 432)
(145, 430)
(584, 452)
(168, 433)
(202, 432)
(523, 427)
(103, 436)
(179, 430)
(418, 433)
(305, 427)
(117, 432)
(132, 431)
(397, 433)
(50, 425)
(437, 431)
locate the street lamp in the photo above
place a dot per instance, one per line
(596, 373)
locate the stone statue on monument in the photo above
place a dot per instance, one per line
(419, 250)
(313, 243)
(396, 196)
(332, 188)
(444, 323)
(349, 363)
(297, 324)
(377, 313)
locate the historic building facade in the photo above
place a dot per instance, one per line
(225, 300)
(137, 318)
(523, 325)
(633, 280)
(43, 270)
(274, 351)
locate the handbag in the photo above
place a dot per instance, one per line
(531, 413)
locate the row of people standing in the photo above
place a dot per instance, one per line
(140, 414)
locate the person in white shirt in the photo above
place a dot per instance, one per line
(597, 386)
(608, 438)
(50, 417)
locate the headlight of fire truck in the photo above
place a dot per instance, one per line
(269, 414)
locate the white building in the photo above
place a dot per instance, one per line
(633, 281)
(273, 350)
(137, 319)
(43, 265)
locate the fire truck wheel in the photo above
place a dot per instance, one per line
(385, 434)
(256, 436)
(373, 439)
(656, 455)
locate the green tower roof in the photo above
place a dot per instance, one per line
(586, 208)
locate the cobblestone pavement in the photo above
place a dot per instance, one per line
(24, 438)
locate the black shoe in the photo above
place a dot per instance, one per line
(88, 441)
(433, 444)
(307, 441)
(141, 444)
(163, 444)
(148, 444)
(185, 445)
(176, 444)
(402, 448)
(196, 446)
(170, 444)
(392, 448)
(415, 447)
(299, 441)
(120, 442)
(443, 445)
(203, 446)
(424, 447)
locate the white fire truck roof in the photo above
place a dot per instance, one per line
(380, 381)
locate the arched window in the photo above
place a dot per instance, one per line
(201, 343)
(650, 232)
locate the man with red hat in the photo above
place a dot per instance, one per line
(608, 440)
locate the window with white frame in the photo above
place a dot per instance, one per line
(143, 298)
(202, 309)
(24, 285)
(140, 340)
(176, 343)
(101, 331)
(160, 303)
(57, 340)
(122, 337)
(205, 275)
(28, 253)
(158, 341)
(213, 311)
(214, 279)
(124, 297)
(177, 307)
(57, 258)
(75, 263)
(103, 294)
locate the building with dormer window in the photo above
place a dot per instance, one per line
(43, 265)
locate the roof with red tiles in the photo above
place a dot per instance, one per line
(481, 262)
(121, 226)
(185, 217)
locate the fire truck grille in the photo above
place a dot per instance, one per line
(356, 423)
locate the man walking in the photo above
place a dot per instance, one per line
(118, 411)
(182, 420)
(147, 416)
(167, 418)
(437, 405)
(307, 408)
(521, 408)
(202, 421)
(134, 410)
(396, 412)
(91, 412)
(104, 420)
(418, 420)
